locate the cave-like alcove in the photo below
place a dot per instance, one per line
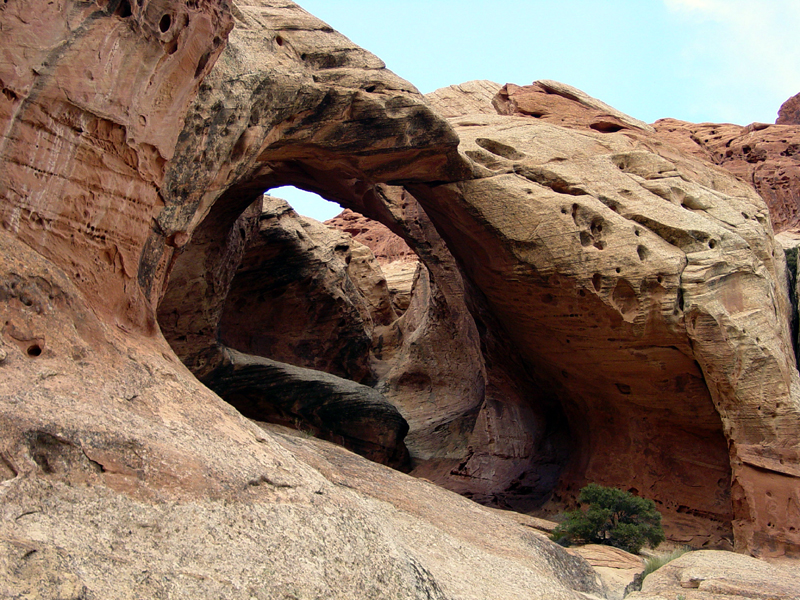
(259, 286)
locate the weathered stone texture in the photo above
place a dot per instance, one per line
(592, 305)
(713, 575)
(94, 96)
(645, 289)
(789, 112)
(765, 156)
(99, 417)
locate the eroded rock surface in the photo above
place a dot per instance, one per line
(561, 104)
(713, 575)
(397, 261)
(642, 286)
(354, 416)
(766, 156)
(295, 298)
(789, 112)
(94, 97)
(616, 568)
(98, 415)
(125, 175)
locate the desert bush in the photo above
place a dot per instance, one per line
(614, 518)
(659, 560)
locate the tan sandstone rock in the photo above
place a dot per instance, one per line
(398, 263)
(616, 568)
(125, 173)
(789, 112)
(766, 156)
(121, 473)
(714, 575)
(645, 289)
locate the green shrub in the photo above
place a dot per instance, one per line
(659, 560)
(614, 517)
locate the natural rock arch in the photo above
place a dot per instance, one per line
(362, 125)
(92, 233)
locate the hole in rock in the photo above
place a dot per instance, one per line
(306, 203)
(289, 337)
(201, 64)
(165, 23)
(124, 9)
(270, 310)
(34, 350)
(606, 127)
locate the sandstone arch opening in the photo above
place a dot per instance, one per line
(268, 283)
(307, 204)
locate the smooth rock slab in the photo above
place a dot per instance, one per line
(354, 416)
(714, 575)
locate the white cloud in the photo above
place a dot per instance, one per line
(748, 47)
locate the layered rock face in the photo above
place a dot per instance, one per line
(94, 96)
(646, 289)
(594, 305)
(766, 156)
(99, 417)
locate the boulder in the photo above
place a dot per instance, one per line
(354, 416)
(561, 104)
(789, 112)
(617, 568)
(715, 575)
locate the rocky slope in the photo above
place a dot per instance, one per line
(592, 304)
(710, 574)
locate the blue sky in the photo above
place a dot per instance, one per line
(698, 60)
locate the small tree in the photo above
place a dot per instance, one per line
(615, 518)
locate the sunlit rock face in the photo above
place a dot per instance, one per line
(789, 112)
(94, 98)
(645, 287)
(765, 156)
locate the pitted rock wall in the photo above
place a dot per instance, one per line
(647, 287)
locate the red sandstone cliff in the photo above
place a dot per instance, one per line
(596, 300)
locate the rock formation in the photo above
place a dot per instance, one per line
(398, 263)
(789, 112)
(618, 569)
(765, 156)
(719, 575)
(295, 298)
(596, 274)
(120, 471)
(592, 304)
